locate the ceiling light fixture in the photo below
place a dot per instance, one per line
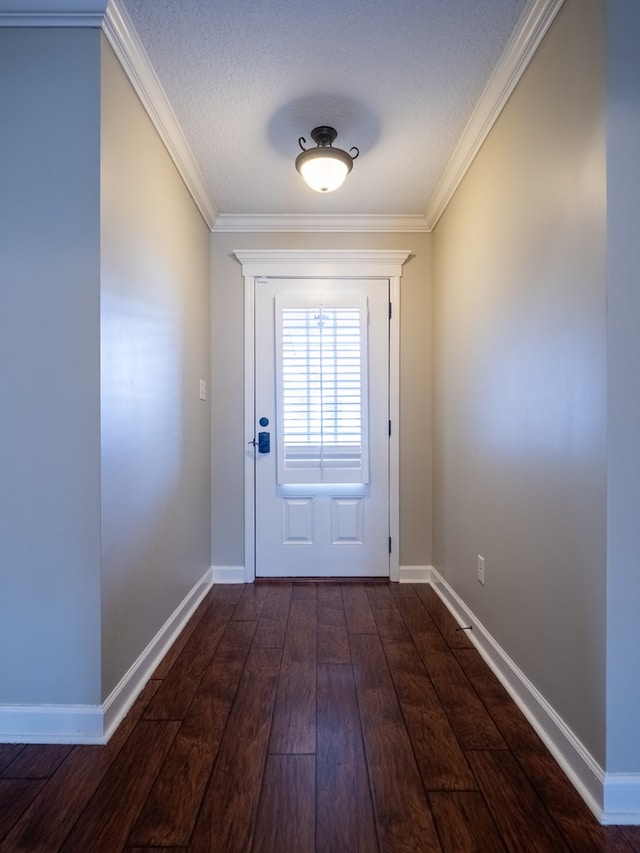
(324, 168)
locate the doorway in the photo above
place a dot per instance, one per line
(321, 431)
(321, 398)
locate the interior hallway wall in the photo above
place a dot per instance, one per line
(49, 367)
(520, 376)
(623, 414)
(155, 280)
(104, 335)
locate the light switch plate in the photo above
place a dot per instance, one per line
(203, 390)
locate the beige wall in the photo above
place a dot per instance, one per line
(520, 376)
(154, 350)
(228, 378)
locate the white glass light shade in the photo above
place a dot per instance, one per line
(324, 168)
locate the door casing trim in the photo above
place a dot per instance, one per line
(385, 264)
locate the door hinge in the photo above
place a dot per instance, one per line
(389, 427)
(389, 544)
(390, 310)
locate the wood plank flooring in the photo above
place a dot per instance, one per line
(300, 717)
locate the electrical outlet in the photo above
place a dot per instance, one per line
(480, 569)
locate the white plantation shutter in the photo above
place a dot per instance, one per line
(322, 390)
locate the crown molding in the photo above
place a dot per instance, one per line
(520, 49)
(65, 13)
(88, 20)
(121, 35)
(238, 222)
(119, 31)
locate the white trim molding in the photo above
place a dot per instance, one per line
(324, 222)
(321, 263)
(91, 20)
(52, 724)
(520, 50)
(120, 32)
(118, 28)
(621, 801)
(123, 38)
(65, 13)
(414, 574)
(127, 690)
(611, 798)
(228, 574)
(94, 724)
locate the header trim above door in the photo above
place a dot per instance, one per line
(309, 263)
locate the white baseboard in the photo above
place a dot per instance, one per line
(578, 764)
(228, 574)
(127, 690)
(94, 724)
(237, 574)
(621, 799)
(51, 724)
(414, 574)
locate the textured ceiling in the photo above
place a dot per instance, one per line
(399, 79)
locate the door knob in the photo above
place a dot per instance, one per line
(264, 442)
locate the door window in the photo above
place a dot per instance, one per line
(321, 387)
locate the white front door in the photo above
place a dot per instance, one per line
(321, 427)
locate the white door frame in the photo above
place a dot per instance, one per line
(385, 264)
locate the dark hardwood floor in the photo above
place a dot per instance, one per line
(307, 717)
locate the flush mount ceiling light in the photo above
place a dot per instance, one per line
(324, 168)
